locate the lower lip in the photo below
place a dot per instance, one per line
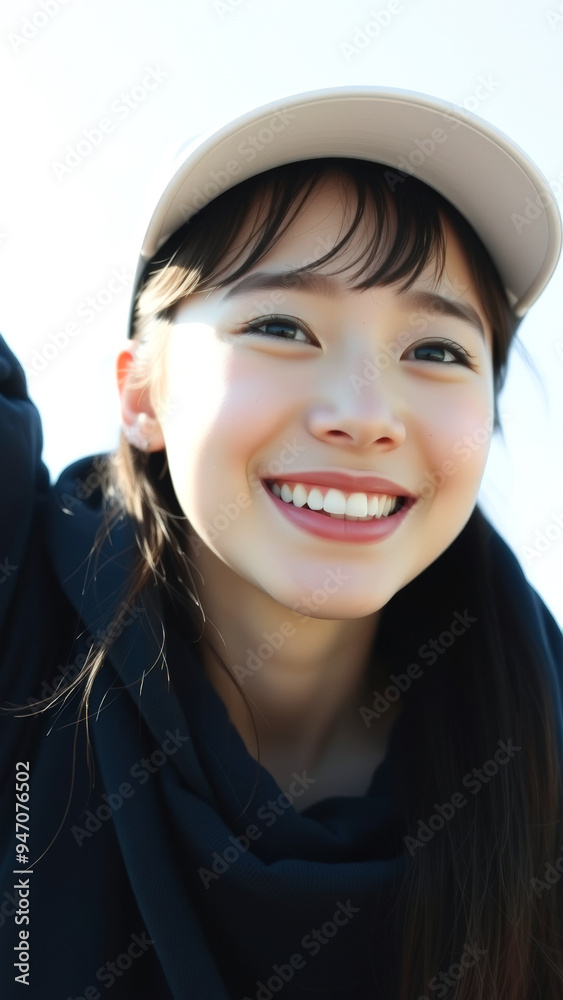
(338, 530)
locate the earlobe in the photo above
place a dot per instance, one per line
(144, 433)
(139, 422)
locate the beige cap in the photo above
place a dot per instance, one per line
(485, 175)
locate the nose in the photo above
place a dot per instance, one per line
(359, 412)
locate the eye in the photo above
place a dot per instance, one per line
(280, 327)
(286, 328)
(438, 347)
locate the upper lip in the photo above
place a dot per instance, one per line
(347, 481)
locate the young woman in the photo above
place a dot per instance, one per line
(293, 714)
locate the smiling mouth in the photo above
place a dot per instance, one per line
(398, 505)
(401, 501)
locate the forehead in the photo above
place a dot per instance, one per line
(326, 212)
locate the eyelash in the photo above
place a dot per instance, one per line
(462, 356)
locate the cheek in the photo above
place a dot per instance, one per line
(454, 446)
(458, 442)
(219, 414)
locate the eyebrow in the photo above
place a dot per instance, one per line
(329, 287)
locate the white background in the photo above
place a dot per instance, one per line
(64, 67)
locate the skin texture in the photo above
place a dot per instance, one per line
(236, 400)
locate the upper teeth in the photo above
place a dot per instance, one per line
(335, 501)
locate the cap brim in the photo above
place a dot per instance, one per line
(485, 175)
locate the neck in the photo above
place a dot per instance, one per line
(303, 677)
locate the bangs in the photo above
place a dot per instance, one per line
(404, 233)
(403, 217)
(406, 230)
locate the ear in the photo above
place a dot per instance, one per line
(140, 423)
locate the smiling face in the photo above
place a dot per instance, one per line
(382, 382)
